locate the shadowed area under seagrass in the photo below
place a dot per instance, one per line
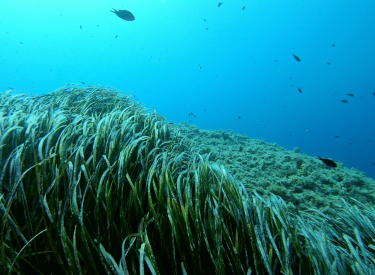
(93, 183)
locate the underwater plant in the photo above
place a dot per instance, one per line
(92, 183)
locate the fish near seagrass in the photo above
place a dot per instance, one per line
(124, 14)
(328, 162)
(296, 58)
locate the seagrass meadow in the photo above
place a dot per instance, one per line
(94, 183)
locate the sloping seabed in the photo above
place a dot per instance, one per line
(302, 181)
(92, 182)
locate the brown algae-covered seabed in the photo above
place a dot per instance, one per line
(93, 183)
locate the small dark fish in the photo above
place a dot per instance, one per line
(239, 117)
(11, 88)
(333, 45)
(124, 14)
(204, 20)
(206, 29)
(200, 67)
(328, 63)
(219, 4)
(300, 90)
(97, 25)
(373, 93)
(83, 82)
(344, 101)
(296, 58)
(275, 60)
(337, 136)
(373, 163)
(244, 7)
(350, 95)
(80, 26)
(328, 162)
(21, 42)
(116, 36)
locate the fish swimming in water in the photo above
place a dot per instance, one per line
(328, 162)
(296, 58)
(344, 101)
(124, 14)
(244, 7)
(219, 4)
(80, 27)
(300, 90)
(333, 45)
(373, 93)
(350, 95)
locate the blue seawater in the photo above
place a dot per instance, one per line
(232, 68)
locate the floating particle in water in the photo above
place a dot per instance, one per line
(296, 58)
(80, 26)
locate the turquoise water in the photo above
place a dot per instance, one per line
(223, 70)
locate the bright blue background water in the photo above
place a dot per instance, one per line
(158, 57)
